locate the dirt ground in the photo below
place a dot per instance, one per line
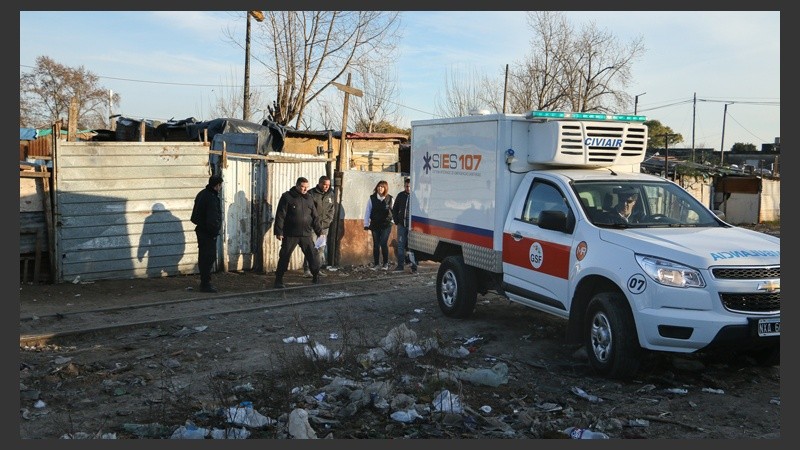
(161, 375)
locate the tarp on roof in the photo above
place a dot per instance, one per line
(27, 134)
(270, 135)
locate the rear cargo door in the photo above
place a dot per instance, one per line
(536, 261)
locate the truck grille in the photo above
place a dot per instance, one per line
(746, 273)
(752, 303)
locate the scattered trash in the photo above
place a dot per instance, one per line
(189, 431)
(447, 402)
(638, 423)
(472, 340)
(548, 407)
(414, 320)
(414, 351)
(493, 377)
(583, 394)
(775, 401)
(486, 409)
(244, 414)
(298, 340)
(419, 310)
(298, 427)
(713, 391)
(679, 391)
(247, 387)
(62, 360)
(333, 336)
(76, 280)
(320, 353)
(39, 404)
(459, 352)
(583, 433)
(406, 416)
(646, 388)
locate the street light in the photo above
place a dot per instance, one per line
(722, 143)
(636, 103)
(259, 16)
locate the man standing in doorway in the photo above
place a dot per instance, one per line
(207, 216)
(325, 202)
(401, 211)
(295, 220)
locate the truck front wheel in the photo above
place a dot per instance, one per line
(611, 340)
(456, 287)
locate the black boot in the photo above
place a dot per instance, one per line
(279, 283)
(315, 279)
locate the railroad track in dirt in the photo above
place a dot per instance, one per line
(41, 329)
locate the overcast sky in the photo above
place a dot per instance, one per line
(173, 64)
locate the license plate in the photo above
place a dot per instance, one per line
(769, 327)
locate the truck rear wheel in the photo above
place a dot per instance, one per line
(611, 340)
(456, 289)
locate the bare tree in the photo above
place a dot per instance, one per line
(378, 83)
(598, 69)
(228, 98)
(45, 94)
(304, 51)
(586, 70)
(462, 94)
(536, 82)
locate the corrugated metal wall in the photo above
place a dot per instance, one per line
(770, 210)
(122, 209)
(281, 176)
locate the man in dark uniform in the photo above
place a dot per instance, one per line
(325, 201)
(401, 212)
(207, 216)
(295, 221)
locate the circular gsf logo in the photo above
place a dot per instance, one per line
(536, 255)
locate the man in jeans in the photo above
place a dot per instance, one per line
(401, 211)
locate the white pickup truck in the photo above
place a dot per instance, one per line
(550, 210)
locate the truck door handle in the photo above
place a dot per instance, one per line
(516, 235)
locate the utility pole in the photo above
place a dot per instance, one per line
(505, 90)
(722, 143)
(694, 118)
(636, 103)
(259, 16)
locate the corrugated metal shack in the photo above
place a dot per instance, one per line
(120, 209)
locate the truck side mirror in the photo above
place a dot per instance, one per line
(553, 220)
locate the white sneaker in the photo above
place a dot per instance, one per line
(385, 266)
(373, 266)
(307, 274)
(322, 274)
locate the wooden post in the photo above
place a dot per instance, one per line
(342, 161)
(72, 120)
(48, 216)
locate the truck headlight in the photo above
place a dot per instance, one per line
(670, 273)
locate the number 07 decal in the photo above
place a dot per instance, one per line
(637, 283)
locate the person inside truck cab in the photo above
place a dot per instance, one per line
(626, 206)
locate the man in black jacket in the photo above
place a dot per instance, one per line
(401, 212)
(207, 216)
(325, 201)
(295, 219)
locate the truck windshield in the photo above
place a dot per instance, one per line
(642, 204)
